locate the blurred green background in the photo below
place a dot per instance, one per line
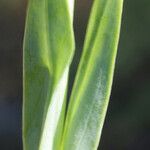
(127, 125)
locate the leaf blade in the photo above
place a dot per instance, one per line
(91, 91)
(46, 66)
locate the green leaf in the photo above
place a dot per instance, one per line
(91, 91)
(48, 51)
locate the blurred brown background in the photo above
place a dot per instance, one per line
(127, 125)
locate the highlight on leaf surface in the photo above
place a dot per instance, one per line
(48, 52)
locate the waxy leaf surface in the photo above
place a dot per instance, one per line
(48, 51)
(91, 90)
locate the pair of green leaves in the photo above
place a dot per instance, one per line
(48, 52)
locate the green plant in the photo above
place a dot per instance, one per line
(48, 52)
